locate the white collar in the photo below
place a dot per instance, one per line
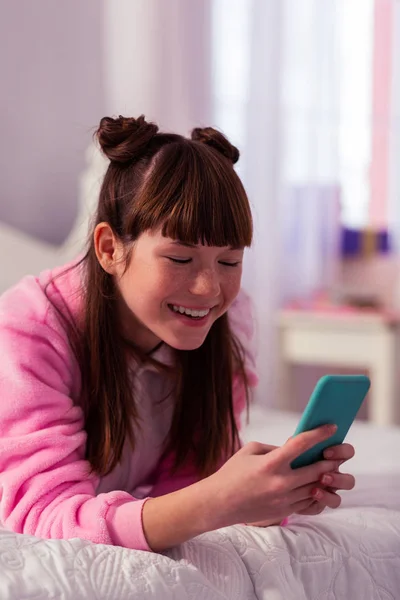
(163, 355)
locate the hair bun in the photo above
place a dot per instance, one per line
(215, 139)
(124, 139)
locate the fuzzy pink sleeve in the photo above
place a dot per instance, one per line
(241, 321)
(45, 486)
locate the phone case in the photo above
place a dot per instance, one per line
(336, 399)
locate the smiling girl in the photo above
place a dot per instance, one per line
(124, 374)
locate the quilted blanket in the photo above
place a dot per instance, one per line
(350, 553)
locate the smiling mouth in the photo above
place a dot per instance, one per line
(196, 314)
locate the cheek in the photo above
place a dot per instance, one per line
(145, 288)
(231, 284)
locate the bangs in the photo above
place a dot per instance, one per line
(193, 193)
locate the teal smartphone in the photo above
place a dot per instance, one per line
(336, 399)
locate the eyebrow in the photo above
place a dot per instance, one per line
(188, 245)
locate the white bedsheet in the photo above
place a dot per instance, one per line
(350, 553)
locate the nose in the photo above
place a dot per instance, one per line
(206, 283)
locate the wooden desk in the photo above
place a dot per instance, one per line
(349, 340)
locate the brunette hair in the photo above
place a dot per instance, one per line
(189, 189)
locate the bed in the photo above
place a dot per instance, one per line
(350, 553)
(30, 255)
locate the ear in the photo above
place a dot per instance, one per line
(107, 247)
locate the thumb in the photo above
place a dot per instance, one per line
(257, 448)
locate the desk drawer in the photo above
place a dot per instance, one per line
(330, 347)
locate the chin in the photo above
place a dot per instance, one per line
(186, 344)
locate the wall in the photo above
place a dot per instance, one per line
(52, 95)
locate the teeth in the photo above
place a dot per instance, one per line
(190, 312)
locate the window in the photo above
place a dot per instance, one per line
(335, 91)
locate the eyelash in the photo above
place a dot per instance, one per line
(188, 260)
(179, 261)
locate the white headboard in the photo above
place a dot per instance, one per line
(21, 254)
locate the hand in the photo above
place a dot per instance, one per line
(325, 492)
(258, 484)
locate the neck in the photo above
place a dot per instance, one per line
(156, 347)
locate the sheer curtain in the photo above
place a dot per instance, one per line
(291, 83)
(289, 108)
(311, 116)
(394, 140)
(262, 174)
(394, 131)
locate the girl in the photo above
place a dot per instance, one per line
(124, 374)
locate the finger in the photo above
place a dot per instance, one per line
(330, 499)
(298, 444)
(299, 507)
(307, 492)
(315, 508)
(302, 493)
(341, 452)
(313, 473)
(340, 481)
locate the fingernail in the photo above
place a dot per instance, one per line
(317, 493)
(328, 453)
(331, 428)
(327, 479)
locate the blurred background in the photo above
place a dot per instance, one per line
(309, 90)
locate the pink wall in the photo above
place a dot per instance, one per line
(51, 94)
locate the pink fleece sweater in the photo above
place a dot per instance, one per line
(45, 488)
